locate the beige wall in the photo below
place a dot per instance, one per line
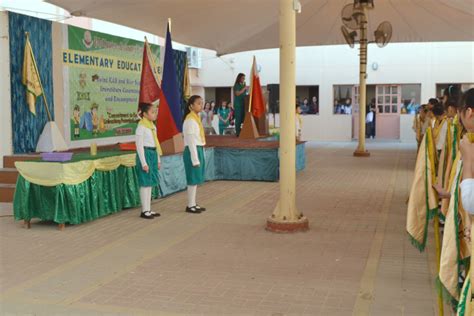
(6, 141)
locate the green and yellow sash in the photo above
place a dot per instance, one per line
(423, 201)
(150, 125)
(193, 116)
(455, 249)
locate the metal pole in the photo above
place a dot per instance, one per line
(361, 151)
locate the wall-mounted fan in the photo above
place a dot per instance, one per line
(383, 34)
(351, 17)
(349, 37)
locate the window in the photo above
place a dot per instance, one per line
(388, 99)
(308, 99)
(306, 96)
(411, 98)
(342, 99)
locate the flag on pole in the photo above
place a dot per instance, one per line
(257, 104)
(30, 77)
(151, 92)
(186, 83)
(169, 85)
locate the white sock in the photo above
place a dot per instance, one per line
(143, 198)
(148, 198)
(192, 190)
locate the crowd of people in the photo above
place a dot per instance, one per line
(443, 188)
(230, 115)
(308, 107)
(343, 106)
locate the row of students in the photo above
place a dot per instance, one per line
(446, 131)
(148, 161)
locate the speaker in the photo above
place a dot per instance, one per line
(274, 98)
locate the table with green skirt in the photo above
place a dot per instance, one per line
(90, 187)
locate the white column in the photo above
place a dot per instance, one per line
(286, 217)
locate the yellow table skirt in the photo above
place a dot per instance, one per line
(55, 173)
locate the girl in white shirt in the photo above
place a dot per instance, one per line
(148, 157)
(193, 156)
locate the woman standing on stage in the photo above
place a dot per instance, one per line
(148, 156)
(193, 156)
(240, 90)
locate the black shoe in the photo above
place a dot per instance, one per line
(154, 214)
(200, 208)
(193, 210)
(147, 215)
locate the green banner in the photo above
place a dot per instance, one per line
(104, 83)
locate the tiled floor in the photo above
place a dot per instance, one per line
(355, 259)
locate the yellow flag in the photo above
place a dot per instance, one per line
(30, 77)
(186, 82)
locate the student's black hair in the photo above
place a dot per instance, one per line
(297, 106)
(451, 102)
(433, 101)
(143, 107)
(190, 102)
(239, 77)
(467, 100)
(438, 109)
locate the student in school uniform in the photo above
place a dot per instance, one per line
(224, 117)
(440, 126)
(299, 122)
(193, 156)
(148, 157)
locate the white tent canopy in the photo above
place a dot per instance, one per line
(229, 26)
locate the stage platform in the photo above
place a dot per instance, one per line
(111, 184)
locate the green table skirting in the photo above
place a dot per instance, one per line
(109, 192)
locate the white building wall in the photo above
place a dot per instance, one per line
(422, 63)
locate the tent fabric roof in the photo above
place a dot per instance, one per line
(229, 26)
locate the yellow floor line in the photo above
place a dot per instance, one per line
(367, 283)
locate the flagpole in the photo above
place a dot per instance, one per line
(251, 84)
(27, 34)
(149, 53)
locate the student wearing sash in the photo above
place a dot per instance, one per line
(193, 156)
(440, 127)
(299, 122)
(148, 157)
(224, 117)
(456, 239)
